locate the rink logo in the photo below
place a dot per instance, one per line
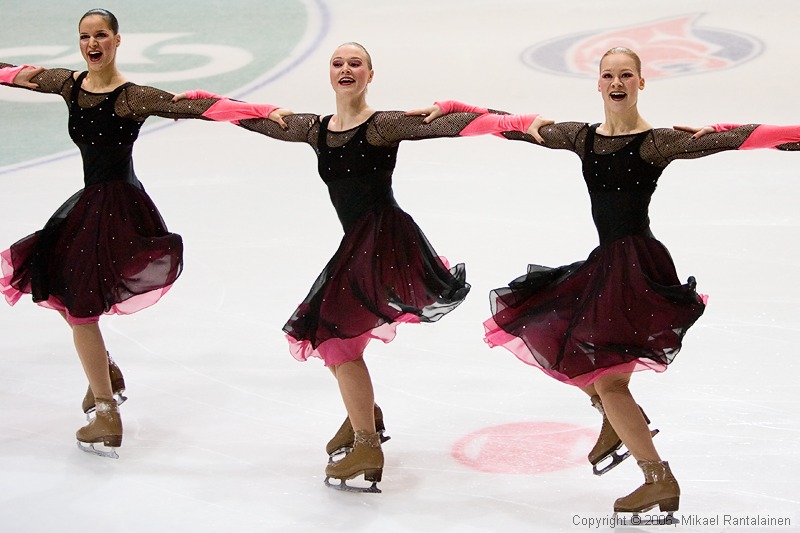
(671, 47)
(525, 448)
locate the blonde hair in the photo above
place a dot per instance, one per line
(627, 51)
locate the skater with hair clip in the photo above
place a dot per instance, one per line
(593, 323)
(385, 271)
(106, 250)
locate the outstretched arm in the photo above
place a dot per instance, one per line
(19, 75)
(35, 78)
(394, 126)
(490, 121)
(140, 102)
(763, 136)
(719, 137)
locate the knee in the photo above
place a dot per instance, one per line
(612, 384)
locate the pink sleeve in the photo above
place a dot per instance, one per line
(453, 106)
(765, 136)
(496, 124)
(7, 74)
(225, 110)
(198, 94)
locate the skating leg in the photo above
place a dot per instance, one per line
(608, 443)
(117, 388)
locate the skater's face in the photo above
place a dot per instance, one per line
(620, 82)
(350, 70)
(98, 42)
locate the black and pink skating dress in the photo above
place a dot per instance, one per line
(623, 309)
(106, 250)
(385, 272)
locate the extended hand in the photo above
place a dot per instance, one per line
(277, 116)
(698, 132)
(533, 129)
(24, 76)
(430, 113)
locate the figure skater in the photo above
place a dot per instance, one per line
(107, 249)
(593, 323)
(385, 271)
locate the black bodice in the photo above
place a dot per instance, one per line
(620, 185)
(104, 138)
(358, 174)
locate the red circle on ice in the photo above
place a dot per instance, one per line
(525, 448)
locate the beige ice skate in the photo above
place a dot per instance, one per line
(660, 489)
(104, 429)
(366, 458)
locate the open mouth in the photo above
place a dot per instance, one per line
(346, 81)
(617, 96)
(94, 56)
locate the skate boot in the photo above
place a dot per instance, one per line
(608, 443)
(342, 442)
(105, 428)
(365, 458)
(117, 387)
(660, 489)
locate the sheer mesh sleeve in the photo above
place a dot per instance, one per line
(301, 128)
(789, 147)
(669, 144)
(390, 127)
(560, 136)
(137, 102)
(51, 81)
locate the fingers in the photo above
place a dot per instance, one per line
(537, 124)
(430, 113)
(178, 97)
(24, 76)
(277, 116)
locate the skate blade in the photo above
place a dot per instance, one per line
(103, 451)
(599, 468)
(646, 520)
(118, 396)
(344, 487)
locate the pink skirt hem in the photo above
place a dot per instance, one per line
(127, 307)
(336, 351)
(496, 336)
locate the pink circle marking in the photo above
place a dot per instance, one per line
(525, 448)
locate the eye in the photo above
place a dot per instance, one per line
(337, 64)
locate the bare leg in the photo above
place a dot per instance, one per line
(625, 416)
(355, 386)
(92, 353)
